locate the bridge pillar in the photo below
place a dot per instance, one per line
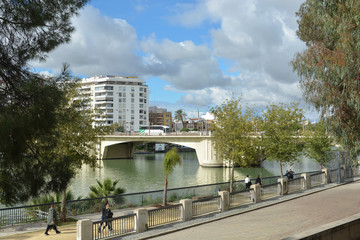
(142, 218)
(120, 150)
(283, 186)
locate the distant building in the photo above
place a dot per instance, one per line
(160, 116)
(122, 100)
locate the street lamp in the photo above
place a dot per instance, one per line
(261, 136)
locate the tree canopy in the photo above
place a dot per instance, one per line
(232, 130)
(171, 159)
(282, 128)
(318, 142)
(180, 115)
(329, 67)
(29, 102)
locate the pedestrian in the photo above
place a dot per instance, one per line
(247, 182)
(51, 220)
(108, 215)
(287, 174)
(103, 212)
(258, 180)
(291, 174)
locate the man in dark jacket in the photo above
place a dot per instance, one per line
(103, 213)
(51, 220)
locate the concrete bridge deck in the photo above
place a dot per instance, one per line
(277, 218)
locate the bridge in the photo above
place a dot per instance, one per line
(123, 146)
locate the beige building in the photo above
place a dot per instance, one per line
(160, 116)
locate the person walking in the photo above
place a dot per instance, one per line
(108, 215)
(258, 180)
(247, 182)
(51, 220)
(103, 212)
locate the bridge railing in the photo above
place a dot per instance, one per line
(194, 133)
(270, 190)
(317, 179)
(164, 215)
(205, 205)
(240, 198)
(113, 226)
(296, 184)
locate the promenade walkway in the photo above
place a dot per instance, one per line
(277, 218)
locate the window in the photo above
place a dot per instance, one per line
(104, 88)
(141, 105)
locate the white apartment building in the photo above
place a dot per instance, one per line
(124, 100)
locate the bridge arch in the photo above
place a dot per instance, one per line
(123, 146)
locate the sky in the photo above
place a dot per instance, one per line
(193, 54)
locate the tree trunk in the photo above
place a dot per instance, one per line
(232, 177)
(281, 171)
(63, 207)
(165, 191)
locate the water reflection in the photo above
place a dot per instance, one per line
(144, 173)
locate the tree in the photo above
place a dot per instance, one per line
(232, 132)
(329, 66)
(282, 129)
(105, 188)
(171, 159)
(28, 101)
(318, 142)
(180, 115)
(73, 140)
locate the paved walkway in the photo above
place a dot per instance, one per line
(272, 219)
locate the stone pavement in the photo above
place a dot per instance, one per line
(276, 218)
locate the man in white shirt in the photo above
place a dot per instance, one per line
(247, 182)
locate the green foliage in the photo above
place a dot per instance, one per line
(28, 101)
(329, 66)
(107, 188)
(180, 115)
(184, 130)
(232, 133)
(318, 142)
(171, 159)
(282, 130)
(51, 198)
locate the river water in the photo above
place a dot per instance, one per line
(144, 173)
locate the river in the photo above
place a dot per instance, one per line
(144, 173)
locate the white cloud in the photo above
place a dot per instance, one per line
(256, 39)
(99, 46)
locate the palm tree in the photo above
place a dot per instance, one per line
(180, 115)
(105, 189)
(171, 159)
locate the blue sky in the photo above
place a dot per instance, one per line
(193, 54)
